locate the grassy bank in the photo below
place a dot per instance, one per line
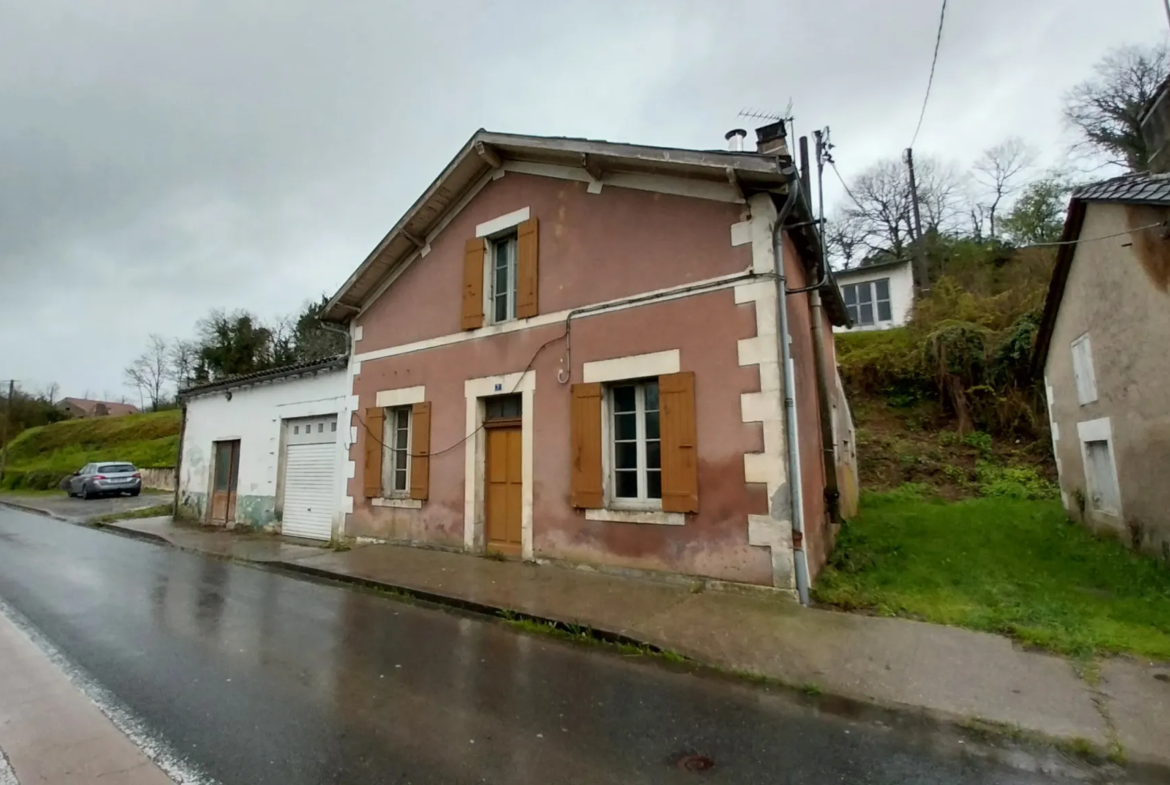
(40, 457)
(1011, 566)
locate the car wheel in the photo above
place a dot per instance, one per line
(134, 493)
(86, 493)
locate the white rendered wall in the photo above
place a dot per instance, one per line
(901, 292)
(255, 416)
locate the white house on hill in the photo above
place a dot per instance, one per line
(878, 296)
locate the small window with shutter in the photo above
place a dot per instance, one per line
(396, 460)
(500, 276)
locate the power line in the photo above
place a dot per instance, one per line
(1095, 239)
(841, 179)
(934, 62)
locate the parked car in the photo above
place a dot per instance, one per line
(105, 479)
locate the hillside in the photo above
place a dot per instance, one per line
(949, 402)
(40, 457)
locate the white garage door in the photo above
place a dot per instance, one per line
(310, 480)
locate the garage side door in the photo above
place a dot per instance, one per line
(310, 481)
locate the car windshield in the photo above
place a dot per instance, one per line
(116, 468)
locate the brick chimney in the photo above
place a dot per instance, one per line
(772, 139)
(1156, 130)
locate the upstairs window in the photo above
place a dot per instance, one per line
(502, 272)
(867, 300)
(1083, 373)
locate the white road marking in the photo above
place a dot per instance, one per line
(152, 744)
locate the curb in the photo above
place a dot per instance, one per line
(35, 511)
(132, 533)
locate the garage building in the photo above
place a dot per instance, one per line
(269, 450)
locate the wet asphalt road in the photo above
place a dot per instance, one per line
(256, 677)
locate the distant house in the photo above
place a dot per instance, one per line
(1102, 347)
(877, 296)
(83, 407)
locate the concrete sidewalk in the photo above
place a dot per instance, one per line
(954, 674)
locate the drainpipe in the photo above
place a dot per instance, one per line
(795, 495)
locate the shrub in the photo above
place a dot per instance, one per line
(1013, 482)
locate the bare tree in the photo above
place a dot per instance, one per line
(182, 360)
(998, 173)
(882, 208)
(1107, 108)
(941, 197)
(844, 240)
(151, 371)
(50, 393)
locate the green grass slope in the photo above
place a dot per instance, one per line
(40, 457)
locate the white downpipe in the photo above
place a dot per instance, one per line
(795, 492)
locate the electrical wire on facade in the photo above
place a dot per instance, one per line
(934, 62)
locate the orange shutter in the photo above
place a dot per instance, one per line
(680, 464)
(585, 438)
(473, 284)
(420, 450)
(372, 477)
(526, 266)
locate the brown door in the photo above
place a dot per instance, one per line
(227, 475)
(503, 489)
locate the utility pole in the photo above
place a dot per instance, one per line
(920, 246)
(4, 432)
(1167, 4)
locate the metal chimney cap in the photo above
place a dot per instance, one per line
(740, 132)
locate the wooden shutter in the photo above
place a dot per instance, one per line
(372, 476)
(420, 450)
(473, 254)
(585, 438)
(680, 463)
(526, 266)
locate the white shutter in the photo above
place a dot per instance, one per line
(1083, 373)
(310, 480)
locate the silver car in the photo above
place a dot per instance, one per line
(105, 479)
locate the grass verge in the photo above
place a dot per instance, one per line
(40, 457)
(1010, 566)
(157, 511)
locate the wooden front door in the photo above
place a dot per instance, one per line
(504, 485)
(226, 476)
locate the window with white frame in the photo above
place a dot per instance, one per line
(396, 458)
(1083, 373)
(502, 277)
(635, 476)
(867, 300)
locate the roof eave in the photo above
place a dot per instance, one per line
(338, 362)
(486, 151)
(1073, 222)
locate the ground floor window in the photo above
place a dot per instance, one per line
(635, 445)
(396, 467)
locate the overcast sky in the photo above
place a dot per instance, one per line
(159, 159)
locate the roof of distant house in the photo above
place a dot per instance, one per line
(750, 172)
(331, 363)
(90, 406)
(869, 268)
(1138, 188)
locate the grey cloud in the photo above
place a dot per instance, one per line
(161, 159)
